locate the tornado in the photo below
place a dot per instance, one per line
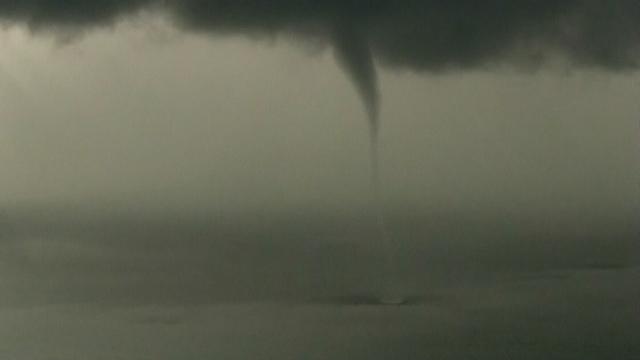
(354, 55)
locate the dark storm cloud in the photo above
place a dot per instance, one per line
(417, 34)
(426, 35)
(75, 13)
(421, 35)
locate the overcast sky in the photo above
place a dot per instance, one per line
(145, 116)
(167, 157)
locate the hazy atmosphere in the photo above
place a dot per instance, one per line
(249, 179)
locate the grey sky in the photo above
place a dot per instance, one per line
(119, 132)
(133, 117)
